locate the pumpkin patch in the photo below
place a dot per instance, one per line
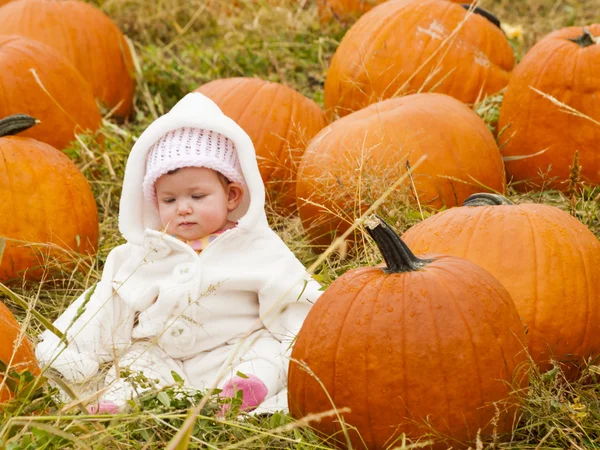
(84, 36)
(441, 48)
(550, 111)
(544, 257)
(354, 160)
(36, 80)
(420, 340)
(47, 203)
(477, 329)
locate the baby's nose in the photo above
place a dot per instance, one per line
(184, 208)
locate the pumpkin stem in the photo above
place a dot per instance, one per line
(483, 13)
(16, 123)
(585, 40)
(486, 199)
(398, 257)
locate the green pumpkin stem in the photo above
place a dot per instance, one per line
(585, 40)
(16, 124)
(398, 257)
(486, 199)
(483, 13)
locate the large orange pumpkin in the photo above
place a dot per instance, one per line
(38, 81)
(543, 136)
(45, 200)
(547, 260)
(433, 339)
(280, 122)
(406, 46)
(347, 11)
(86, 37)
(353, 161)
(16, 351)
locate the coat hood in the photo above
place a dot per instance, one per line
(195, 110)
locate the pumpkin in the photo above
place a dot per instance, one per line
(546, 259)
(540, 137)
(36, 80)
(406, 46)
(46, 203)
(86, 37)
(354, 160)
(280, 122)
(430, 339)
(16, 352)
(349, 10)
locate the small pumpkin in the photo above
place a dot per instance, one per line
(546, 259)
(347, 11)
(46, 202)
(354, 160)
(36, 80)
(279, 120)
(432, 339)
(405, 46)
(86, 37)
(16, 352)
(540, 137)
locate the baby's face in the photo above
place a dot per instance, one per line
(193, 202)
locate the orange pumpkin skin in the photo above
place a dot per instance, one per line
(440, 343)
(46, 199)
(86, 37)
(395, 49)
(546, 259)
(24, 357)
(354, 160)
(567, 71)
(280, 122)
(349, 10)
(65, 104)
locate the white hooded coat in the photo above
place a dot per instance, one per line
(197, 309)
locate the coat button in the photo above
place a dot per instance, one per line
(185, 272)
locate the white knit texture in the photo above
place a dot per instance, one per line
(191, 147)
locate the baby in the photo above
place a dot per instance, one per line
(203, 288)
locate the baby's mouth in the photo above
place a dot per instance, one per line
(187, 224)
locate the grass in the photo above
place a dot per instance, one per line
(181, 44)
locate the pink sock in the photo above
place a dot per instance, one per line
(253, 389)
(104, 407)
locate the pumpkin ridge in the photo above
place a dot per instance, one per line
(232, 92)
(458, 309)
(535, 284)
(281, 162)
(438, 340)
(274, 163)
(588, 316)
(247, 109)
(338, 347)
(370, 419)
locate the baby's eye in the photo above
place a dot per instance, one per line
(168, 200)
(198, 196)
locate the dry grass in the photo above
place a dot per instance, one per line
(181, 44)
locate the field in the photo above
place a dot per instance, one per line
(179, 45)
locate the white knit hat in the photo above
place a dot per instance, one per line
(190, 147)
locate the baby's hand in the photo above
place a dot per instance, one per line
(253, 389)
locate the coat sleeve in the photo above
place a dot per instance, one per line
(95, 326)
(287, 294)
